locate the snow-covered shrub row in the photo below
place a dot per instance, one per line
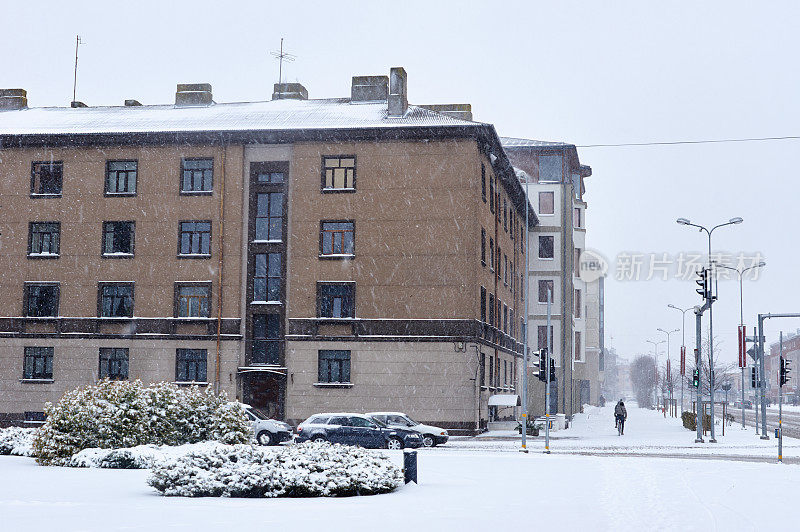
(139, 457)
(306, 470)
(116, 414)
(17, 441)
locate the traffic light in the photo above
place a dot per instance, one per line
(753, 377)
(542, 364)
(552, 372)
(696, 378)
(703, 283)
(783, 375)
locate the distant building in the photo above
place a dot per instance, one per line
(791, 351)
(352, 254)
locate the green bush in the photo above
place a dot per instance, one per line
(690, 420)
(116, 414)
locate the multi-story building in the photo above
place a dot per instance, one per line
(301, 255)
(590, 374)
(554, 178)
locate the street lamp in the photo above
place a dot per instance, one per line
(683, 343)
(741, 317)
(733, 221)
(655, 351)
(668, 333)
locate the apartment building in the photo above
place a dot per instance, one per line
(553, 176)
(772, 364)
(300, 255)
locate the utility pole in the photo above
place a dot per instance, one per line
(547, 382)
(780, 403)
(683, 346)
(655, 353)
(524, 430)
(75, 77)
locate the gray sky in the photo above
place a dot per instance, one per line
(580, 72)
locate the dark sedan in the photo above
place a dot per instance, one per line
(356, 429)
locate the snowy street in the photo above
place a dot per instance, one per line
(468, 483)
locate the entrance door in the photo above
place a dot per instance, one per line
(265, 392)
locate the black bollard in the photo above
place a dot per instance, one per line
(410, 466)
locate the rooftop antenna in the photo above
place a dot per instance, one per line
(78, 42)
(281, 57)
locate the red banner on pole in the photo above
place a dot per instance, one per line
(683, 360)
(742, 347)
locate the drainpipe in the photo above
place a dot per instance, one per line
(221, 253)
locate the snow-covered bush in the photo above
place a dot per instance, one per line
(139, 457)
(117, 414)
(305, 470)
(17, 441)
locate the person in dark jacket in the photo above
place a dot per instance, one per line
(621, 415)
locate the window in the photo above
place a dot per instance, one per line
(505, 317)
(193, 300)
(339, 173)
(121, 177)
(491, 193)
(269, 216)
(194, 238)
(578, 346)
(497, 371)
(576, 217)
(41, 300)
(550, 168)
(491, 371)
(505, 215)
(483, 304)
(577, 303)
(46, 178)
(546, 244)
(336, 300)
(542, 336)
(505, 269)
(44, 239)
(267, 281)
(337, 238)
(547, 203)
(505, 372)
(266, 173)
(483, 370)
(334, 366)
(491, 310)
(577, 262)
(544, 286)
(116, 300)
(499, 254)
(38, 363)
(266, 339)
(113, 363)
(491, 254)
(483, 182)
(483, 246)
(118, 238)
(190, 365)
(197, 176)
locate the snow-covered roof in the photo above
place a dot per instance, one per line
(338, 113)
(512, 142)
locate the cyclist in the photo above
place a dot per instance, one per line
(621, 415)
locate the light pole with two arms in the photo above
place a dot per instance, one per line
(669, 364)
(683, 344)
(655, 354)
(732, 221)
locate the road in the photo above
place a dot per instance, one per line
(791, 421)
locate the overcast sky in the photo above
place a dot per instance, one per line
(579, 72)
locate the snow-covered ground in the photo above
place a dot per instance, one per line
(467, 484)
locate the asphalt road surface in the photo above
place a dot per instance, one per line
(791, 421)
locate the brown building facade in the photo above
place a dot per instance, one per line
(301, 255)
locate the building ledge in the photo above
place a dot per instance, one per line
(333, 385)
(37, 381)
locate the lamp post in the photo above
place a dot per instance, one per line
(732, 221)
(668, 333)
(655, 352)
(683, 344)
(741, 317)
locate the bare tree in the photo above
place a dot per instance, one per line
(724, 373)
(643, 378)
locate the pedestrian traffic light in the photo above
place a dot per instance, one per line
(753, 378)
(783, 375)
(542, 375)
(703, 283)
(696, 378)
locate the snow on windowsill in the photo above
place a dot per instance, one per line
(266, 241)
(337, 255)
(36, 381)
(44, 254)
(261, 302)
(194, 255)
(119, 254)
(333, 384)
(191, 383)
(45, 195)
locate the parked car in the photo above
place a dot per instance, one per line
(356, 429)
(430, 435)
(268, 431)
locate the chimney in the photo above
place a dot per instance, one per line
(132, 103)
(369, 88)
(398, 92)
(13, 99)
(193, 94)
(289, 91)
(462, 111)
